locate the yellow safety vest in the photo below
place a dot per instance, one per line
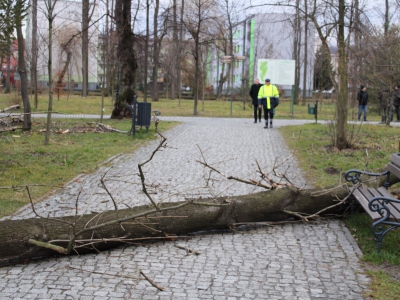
(268, 91)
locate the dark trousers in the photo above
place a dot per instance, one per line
(267, 111)
(396, 108)
(257, 109)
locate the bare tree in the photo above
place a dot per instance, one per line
(197, 14)
(34, 60)
(331, 18)
(20, 11)
(156, 51)
(50, 5)
(146, 50)
(85, 47)
(305, 56)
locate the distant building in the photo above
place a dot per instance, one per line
(264, 36)
(67, 26)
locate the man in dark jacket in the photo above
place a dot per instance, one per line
(254, 94)
(362, 98)
(396, 102)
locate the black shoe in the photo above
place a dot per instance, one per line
(255, 121)
(271, 125)
(266, 125)
(259, 120)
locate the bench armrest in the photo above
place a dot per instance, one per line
(379, 204)
(354, 175)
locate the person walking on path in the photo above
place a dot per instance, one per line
(362, 98)
(254, 89)
(396, 102)
(268, 98)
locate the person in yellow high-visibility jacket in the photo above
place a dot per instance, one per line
(268, 98)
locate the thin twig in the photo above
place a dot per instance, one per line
(108, 192)
(151, 282)
(188, 251)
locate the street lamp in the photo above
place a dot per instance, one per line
(230, 59)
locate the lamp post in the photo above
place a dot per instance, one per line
(230, 59)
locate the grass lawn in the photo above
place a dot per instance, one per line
(25, 160)
(208, 108)
(372, 148)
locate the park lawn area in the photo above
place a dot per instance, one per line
(325, 166)
(25, 160)
(209, 108)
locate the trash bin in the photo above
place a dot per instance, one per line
(311, 109)
(143, 114)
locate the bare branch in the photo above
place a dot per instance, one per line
(152, 282)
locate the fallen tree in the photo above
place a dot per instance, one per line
(41, 237)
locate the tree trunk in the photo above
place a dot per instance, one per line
(24, 77)
(50, 74)
(305, 59)
(85, 47)
(221, 213)
(34, 83)
(146, 52)
(155, 51)
(179, 57)
(341, 107)
(127, 64)
(173, 82)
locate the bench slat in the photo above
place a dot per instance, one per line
(393, 169)
(395, 159)
(364, 203)
(394, 207)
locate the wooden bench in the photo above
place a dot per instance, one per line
(379, 204)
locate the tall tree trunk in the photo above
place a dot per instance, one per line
(305, 58)
(17, 238)
(296, 51)
(34, 83)
(105, 64)
(146, 51)
(23, 73)
(155, 51)
(126, 57)
(49, 70)
(341, 107)
(85, 47)
(179, 55)
(386, 22)
(175, 42)
(196, 74)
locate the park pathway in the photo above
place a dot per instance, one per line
(292, 261)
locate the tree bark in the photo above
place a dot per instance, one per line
(156, 52)
(147, 222)
(34, 83)
(85, 47)
(23, 75)
(342, 100)
(50, 19)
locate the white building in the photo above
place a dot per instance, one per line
(264, 36)
(67, 25)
